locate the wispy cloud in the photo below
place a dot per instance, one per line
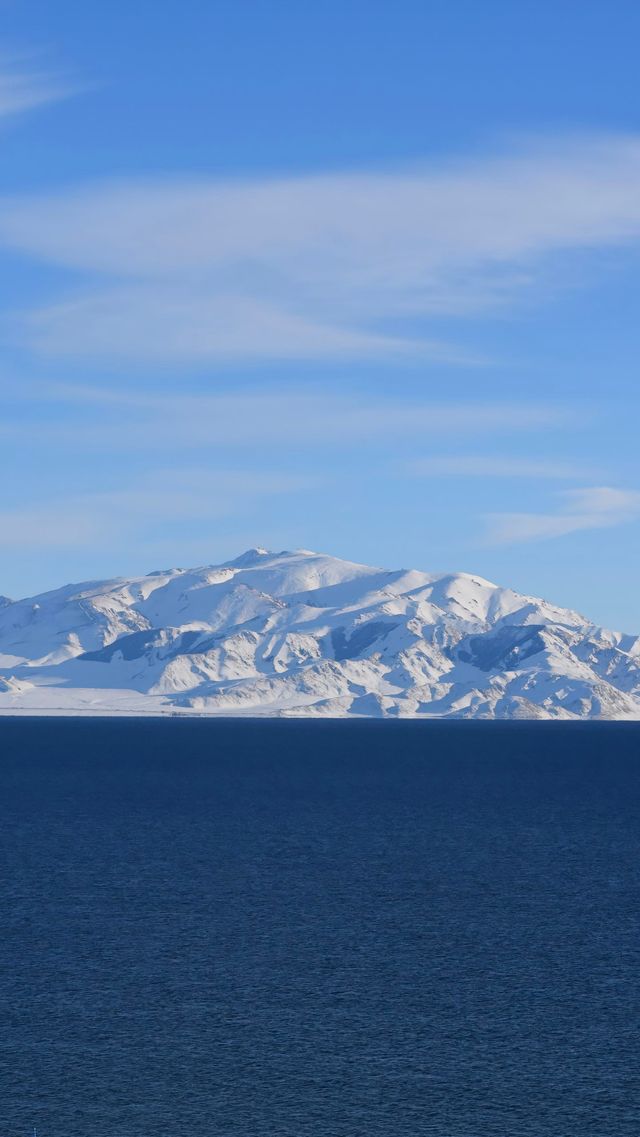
(191, 325)
(160, 500)
(595, 508)
(291, 417)
(313, 266)
(25, 86)
(478, 465)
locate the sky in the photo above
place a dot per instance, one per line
(355, 277)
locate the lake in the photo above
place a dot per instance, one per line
(319, 929)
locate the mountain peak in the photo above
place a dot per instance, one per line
(251, 556)
(300, 632)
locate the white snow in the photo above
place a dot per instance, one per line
(303, 633)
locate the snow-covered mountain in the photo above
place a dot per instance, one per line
(301, 633)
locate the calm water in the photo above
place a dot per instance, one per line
(337, 930)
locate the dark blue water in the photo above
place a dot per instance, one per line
(333, 929)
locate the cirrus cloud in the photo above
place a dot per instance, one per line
(161, 501)
(314, 266)
(291, 417)
(598, 507)
(25, 86)
(491, 466)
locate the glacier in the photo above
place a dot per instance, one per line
(306, 634)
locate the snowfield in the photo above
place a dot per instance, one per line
(301, 633)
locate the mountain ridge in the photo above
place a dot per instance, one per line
(304, 633)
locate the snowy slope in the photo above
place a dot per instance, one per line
(301, 633)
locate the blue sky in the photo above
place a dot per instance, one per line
(360, 277)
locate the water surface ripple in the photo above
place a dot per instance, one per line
(349, 929)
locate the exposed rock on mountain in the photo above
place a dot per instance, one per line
(306, 634)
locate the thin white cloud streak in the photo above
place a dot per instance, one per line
(23, 87)
(291, 418)
(482, 466)
(572, 193)
(165, 497)
(163, 326)
(598, 507)
(328, 263)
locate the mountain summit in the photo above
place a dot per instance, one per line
(301, 633)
